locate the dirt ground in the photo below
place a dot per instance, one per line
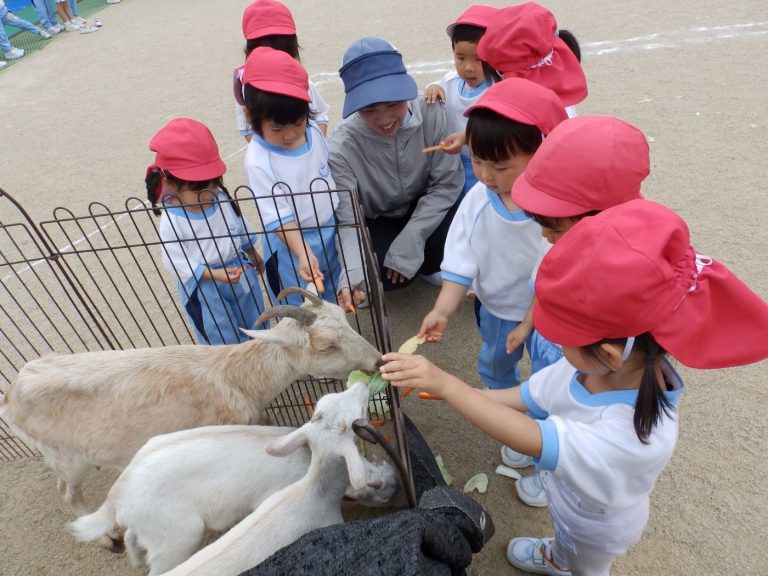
(77, 116)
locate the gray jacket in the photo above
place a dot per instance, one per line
(389, 175)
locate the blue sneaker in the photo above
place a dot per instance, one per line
(528, 554)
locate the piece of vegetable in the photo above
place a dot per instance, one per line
(410, 345)
(308, 405)
(357, 376)
(378, 422)
(478, 482)
(405, 391)
(351, 309)
(446, 476)
(428, 396)
(429, 149)
(502, 470)
(319, 285)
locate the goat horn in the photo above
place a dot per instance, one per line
(313, 298)
(302, 315)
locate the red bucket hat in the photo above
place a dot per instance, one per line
(479, 15)
(630, 270)
(187, 149)
(521, 41)
(265, 18)
(523, 101)
(587, 163)
(277, 72)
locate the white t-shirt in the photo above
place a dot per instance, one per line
(496, 249)
(269, 169)
(459, 97)
(589, 442)
(193, 241)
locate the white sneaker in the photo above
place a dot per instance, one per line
(531, 491)
(53, 30)
(44, 35)
(515, 459)
(71, 26)
(113, 1)
(78, 20)
(88, 29)
(3, 64)
(97, 23)
(14, 53)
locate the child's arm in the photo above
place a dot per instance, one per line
(454, 142)
(309, 267)
(505, 424)
(519, 335)
(435, 323)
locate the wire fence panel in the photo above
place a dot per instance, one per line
(107, 279)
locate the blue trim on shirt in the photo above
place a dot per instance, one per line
(550, 446)
(468, 92)
(607, 398)
(250, 243)
(450, 276)
(272, 226)
(503, 211)
(300, 151)
(181, 212)
(535, 410)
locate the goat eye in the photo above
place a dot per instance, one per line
(328, 348)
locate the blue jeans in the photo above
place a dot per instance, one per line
(45, 12)
(73, 8)
(10, 19)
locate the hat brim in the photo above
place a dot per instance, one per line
(392, 88)
(536, 201)
(275, 30)
(283, 88)
(209, 171)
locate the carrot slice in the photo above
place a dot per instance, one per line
(405, 391)
(429, 149)
(379, 422)
(428, 396)
(308, 405)
(319, 283)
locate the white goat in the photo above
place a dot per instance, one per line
(310, 503)
(99, 408)
(180, 484)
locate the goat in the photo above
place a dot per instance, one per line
(99, 408)
(310, 503)
(180, 484)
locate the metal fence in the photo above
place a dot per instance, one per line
(96, 281)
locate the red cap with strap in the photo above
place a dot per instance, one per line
(630, 270)
(187, 149)
(521, 41)
(525, 102)
(267, 18)
(478, 15)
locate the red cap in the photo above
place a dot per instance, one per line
(277, 72)
(587, 163)
(630, 270)
(525, 102)
(265, 18)
(479, 15)
(187, 149)
(521, 41)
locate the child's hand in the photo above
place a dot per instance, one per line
(348, 300)
(228, 275)
(433, 94)
(518, 336)
(405, 370)
(454, 143)
(433, 326)
(309, 267)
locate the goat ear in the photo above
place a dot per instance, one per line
(287, 444)
(355, 467)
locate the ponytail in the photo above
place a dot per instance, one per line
(570, 41)
(651, 401)
(154, 183)
(234, 204)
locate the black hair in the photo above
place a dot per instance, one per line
(280, 109)
(494, 138)
(553, 222)
(651, 401)
(154, 184)
(472, 34)
(570, 41)
(288, 43)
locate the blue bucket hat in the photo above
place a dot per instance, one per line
(373, 71)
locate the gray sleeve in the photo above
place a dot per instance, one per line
(352, 274)
(446, 179)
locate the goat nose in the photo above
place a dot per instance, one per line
(380, 362)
